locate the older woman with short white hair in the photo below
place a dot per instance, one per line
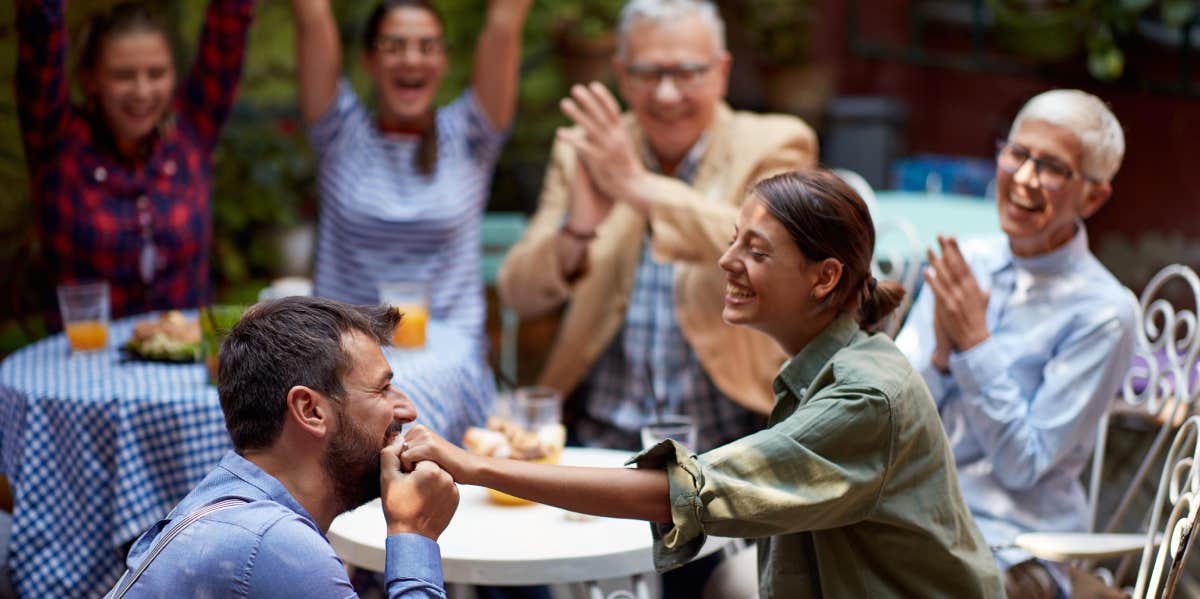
(1023, 338)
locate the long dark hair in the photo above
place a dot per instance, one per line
(427, 148)
(122, 19)
(827, 219)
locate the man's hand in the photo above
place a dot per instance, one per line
(589, 207)
(960, 305)
(422, 444)
(421, 500)
(603, 145)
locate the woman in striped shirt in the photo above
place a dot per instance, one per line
(403, 190)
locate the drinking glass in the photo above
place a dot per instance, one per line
(536, 413)
(412, 299)
(85, 314)
(215, 324)
(681, 429)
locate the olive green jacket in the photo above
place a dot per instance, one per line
(851, 488)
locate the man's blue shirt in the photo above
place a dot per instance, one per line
(269, 547)
(1021, 408)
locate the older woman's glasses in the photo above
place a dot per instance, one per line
(398, 46)
(1051, 173)
(685, 76)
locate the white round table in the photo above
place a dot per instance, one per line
(491, 544)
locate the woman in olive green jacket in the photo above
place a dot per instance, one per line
(851, 488)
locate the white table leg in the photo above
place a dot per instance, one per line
(638, 590)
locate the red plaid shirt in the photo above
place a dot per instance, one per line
(144, 226)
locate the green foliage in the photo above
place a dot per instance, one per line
(589, 20)
(781, 29)
(1049, 30)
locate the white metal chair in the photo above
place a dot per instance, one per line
(501, 230)
(1167, 397)
(1168, 543)
(898, 252)
(859, 184)
(894, 260)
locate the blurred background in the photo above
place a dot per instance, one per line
(910, 94)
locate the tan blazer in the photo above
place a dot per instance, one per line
(690, 225)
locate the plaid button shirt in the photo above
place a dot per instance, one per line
(144, 225)
(649, 368)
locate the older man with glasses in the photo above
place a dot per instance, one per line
(637, 208)
(1023, 338)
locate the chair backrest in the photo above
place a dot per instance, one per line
(898, 253)
(1162, 386)
(501, 230)
(1179, 496)
(859, 184)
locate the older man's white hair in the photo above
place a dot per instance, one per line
(659, 11)
(1089, 119)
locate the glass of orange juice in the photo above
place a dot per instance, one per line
(412, 299)
(536, 433)
(85, 312)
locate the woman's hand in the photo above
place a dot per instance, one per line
(422, 444)
(417, 500)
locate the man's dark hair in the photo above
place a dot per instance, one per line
(283, 343)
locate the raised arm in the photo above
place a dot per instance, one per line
(318, 57)
(612, 492)
(498, 58)
(206, 98)
(41, 81)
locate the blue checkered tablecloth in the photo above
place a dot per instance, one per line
(98, 449)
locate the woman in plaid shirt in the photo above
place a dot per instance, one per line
(121, 185)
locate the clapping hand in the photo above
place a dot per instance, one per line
(603, 145)
(960, 304)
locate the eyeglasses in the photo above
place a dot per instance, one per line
(398, 46)
(1051, 173)
(685, 75)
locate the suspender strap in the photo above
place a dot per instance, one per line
(131, 577)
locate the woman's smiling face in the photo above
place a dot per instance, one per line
(768, 281)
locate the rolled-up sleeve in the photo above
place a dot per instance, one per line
(821, 467)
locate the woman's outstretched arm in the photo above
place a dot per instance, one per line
(318, 57)
(640, 494)
(498, 59)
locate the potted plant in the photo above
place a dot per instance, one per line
(585, 39)
(779, 32)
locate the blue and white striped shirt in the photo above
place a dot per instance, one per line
(382, 220)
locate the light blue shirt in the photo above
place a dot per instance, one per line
(1021, 408)
(270, 547)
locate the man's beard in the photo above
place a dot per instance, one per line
(351, 462)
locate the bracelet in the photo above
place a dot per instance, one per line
(577, 235)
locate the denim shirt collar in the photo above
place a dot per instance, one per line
(258, 478)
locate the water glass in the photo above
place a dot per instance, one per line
(412, 299)
(85, 315)
(681, 429)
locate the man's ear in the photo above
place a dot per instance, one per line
(1096, 196)
(310, 410)
(828, 274)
